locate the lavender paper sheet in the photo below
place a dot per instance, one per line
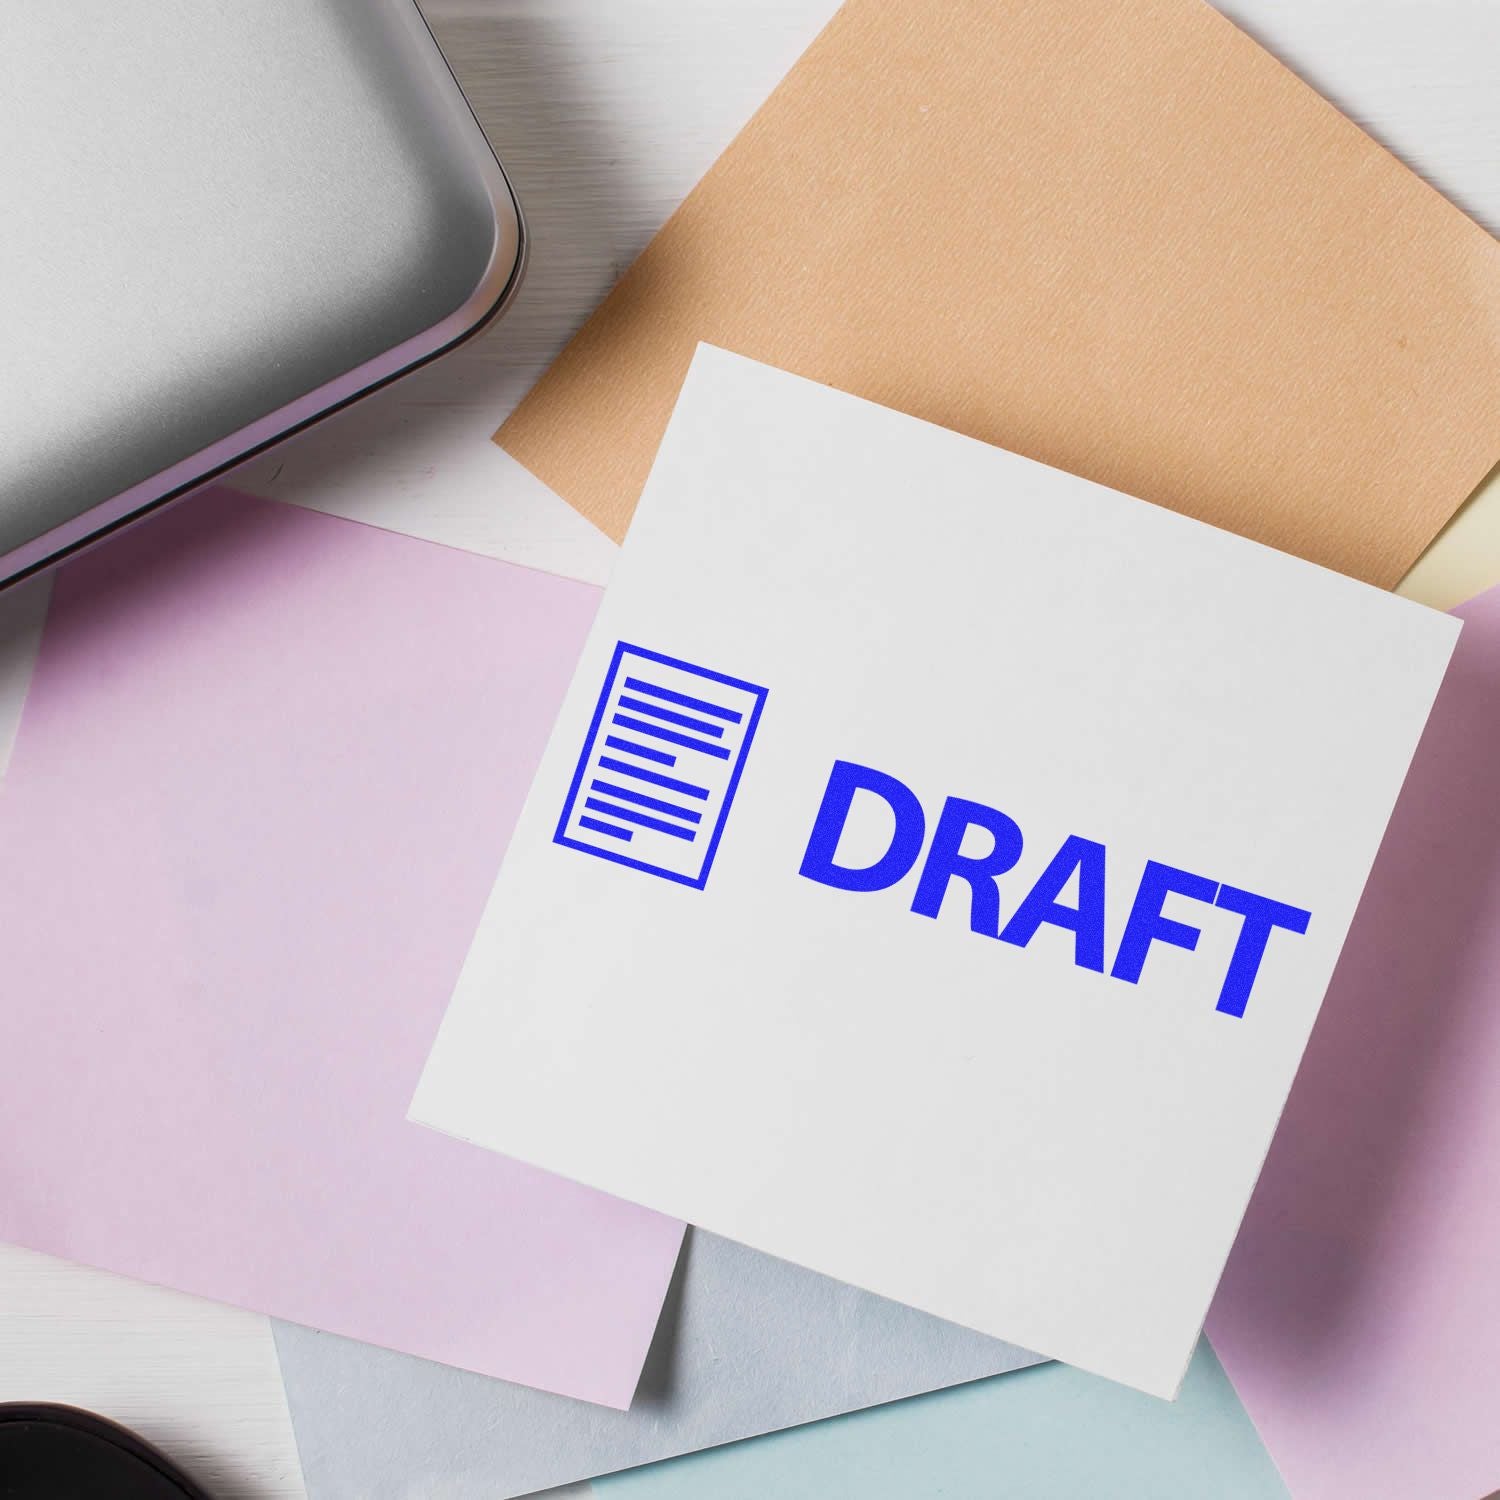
(267, 766)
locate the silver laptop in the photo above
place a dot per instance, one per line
(219, 220)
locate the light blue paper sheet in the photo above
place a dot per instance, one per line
(746, 1344)
(1049, 1433)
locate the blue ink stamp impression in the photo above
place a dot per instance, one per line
(660, 766)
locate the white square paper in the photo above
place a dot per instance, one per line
(1153, 761)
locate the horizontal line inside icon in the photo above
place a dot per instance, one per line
(682, 700)
(599, 827)
(609, 789)
(632, 815)
(631, 748)
(640, 726)
(671, 716)
(672, 784)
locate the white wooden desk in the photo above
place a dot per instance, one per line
(605, 113)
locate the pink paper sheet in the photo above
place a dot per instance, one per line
(1359, 1317)
(267, 769)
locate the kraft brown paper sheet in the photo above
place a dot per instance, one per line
(1113, 235)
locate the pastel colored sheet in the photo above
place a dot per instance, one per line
(1166, 252)
(1358, 1315)
(1465, 559)
(268, 763)
(1050, 1433)
(747, 1344)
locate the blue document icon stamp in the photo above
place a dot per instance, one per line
(658, 771)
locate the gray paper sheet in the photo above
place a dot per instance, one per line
(747, 1344)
